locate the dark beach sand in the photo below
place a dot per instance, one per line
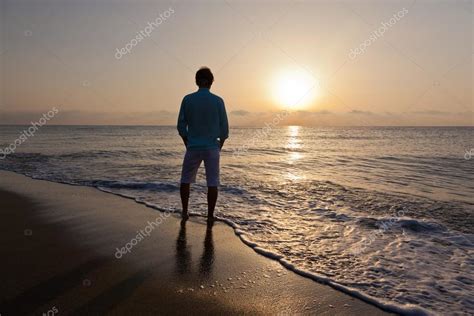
(58, 247)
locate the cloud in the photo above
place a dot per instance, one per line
(247, 118)
(321, 112)
(442, 113)
(240, 112)
(358, 112)
(431, 112)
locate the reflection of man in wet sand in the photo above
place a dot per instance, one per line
(183, 255)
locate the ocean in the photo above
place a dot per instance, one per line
(385, 213)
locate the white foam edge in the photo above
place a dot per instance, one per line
(407, 309)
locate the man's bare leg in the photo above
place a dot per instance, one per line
(184, 192)
(212, 193)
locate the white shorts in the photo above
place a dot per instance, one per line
(192, 161)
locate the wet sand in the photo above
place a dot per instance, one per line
(59, 246)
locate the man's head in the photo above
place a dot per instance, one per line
(204, 77)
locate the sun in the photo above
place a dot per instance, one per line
(294, 88)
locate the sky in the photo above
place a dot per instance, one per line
(330, 63)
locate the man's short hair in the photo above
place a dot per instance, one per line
(204, 77)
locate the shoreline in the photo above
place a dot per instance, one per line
(90, 222)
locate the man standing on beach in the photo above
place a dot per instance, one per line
(203, 126)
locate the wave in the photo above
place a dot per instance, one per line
(111, 187)
(420, 226)
(91, 154)
(131, 185)
(403, 309)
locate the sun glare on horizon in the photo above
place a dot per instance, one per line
(294, 89)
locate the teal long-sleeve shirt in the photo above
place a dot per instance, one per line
(203, 120)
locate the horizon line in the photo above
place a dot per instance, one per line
(248, 126)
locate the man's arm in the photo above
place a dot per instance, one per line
(223, 125)
(183, 123)
(185, 141)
